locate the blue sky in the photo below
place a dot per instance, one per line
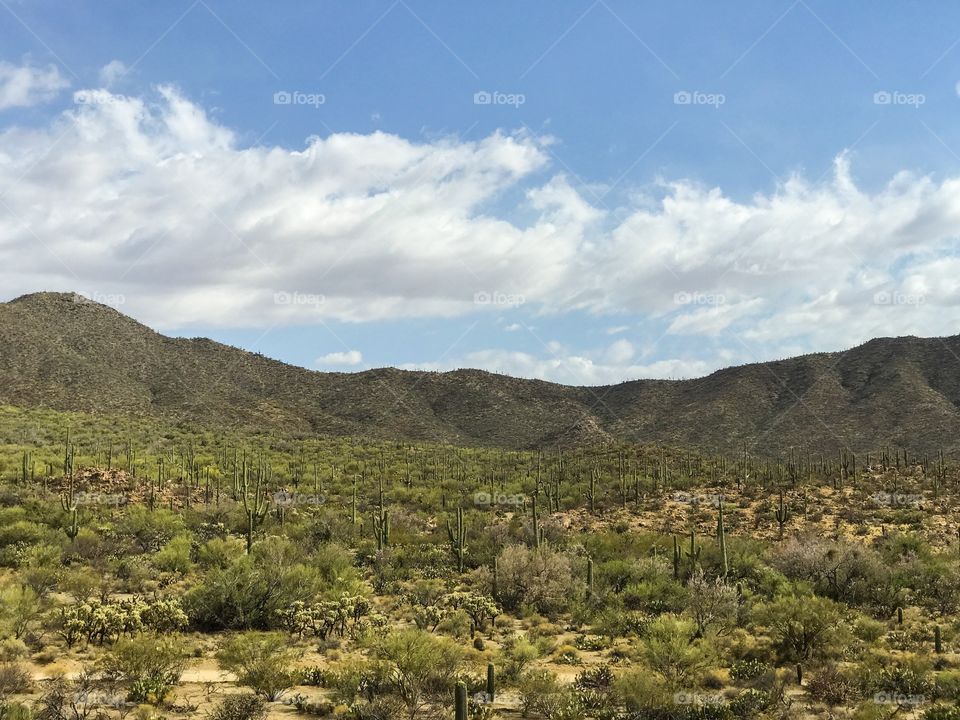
(581, 191)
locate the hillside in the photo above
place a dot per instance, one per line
(63, 352)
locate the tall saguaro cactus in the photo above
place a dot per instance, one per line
(381, 520)
(458, 541)
(722, 537)
(69, 503)
(782, 514)
(254, 503)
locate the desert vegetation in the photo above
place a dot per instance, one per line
(151, 570)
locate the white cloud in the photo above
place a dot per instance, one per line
(513, 327)
(617, 329)
(112, 72)
(620, 352)
(152, 199)
(568, 369)
(349, 357)
(27, 85)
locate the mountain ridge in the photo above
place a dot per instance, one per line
(63, 351)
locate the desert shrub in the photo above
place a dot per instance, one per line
(515, 654)
(712, 603)
(174, 557)
(750, 703)
(356, 679)
(540, 579)
(148, 667)
(804, 626)
(869, 630)
(844, 571)
(252, 590)
(261, 661)
(947, 685)
(14, 711)
(220, 552)
(660, 594)
(535, 687)
(941, 712)
(19, 609)
(41, 569)
(13, 649)
(422, 667)
(905, 679)
(748, 669)
(14, 679)
(63, 699)
(241, 706)
(670, 648)
(830, 686)
(644, 694)
(149, 529)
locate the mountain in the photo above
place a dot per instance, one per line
(65, 352)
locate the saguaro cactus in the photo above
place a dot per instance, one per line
(694, 552)
(69, 504)
(536, 521)
(254, 503)
(460, 702)
(937, 643)
(722, 537)
(458, 543)
(589, 578)
(782, 514)
(381, 521)
(491, 683)
(677, 556)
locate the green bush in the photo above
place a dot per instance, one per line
(147, 666)
(261, 661)
(242, 706)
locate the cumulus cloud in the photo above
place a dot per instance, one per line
(112, 72)
(27, 85)
(568, 368)
(349, 357)
(150, 198)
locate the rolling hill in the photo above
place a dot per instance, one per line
(61, 351)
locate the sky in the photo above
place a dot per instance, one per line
(583, 191)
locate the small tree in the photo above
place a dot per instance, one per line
(261, 661)
(803, 625)
(147, 666)
(423, 667)
(712, 603)
(670, 648)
